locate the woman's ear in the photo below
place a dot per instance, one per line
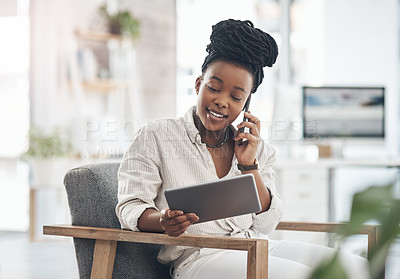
(197, 84)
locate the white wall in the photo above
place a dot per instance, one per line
(361, 47)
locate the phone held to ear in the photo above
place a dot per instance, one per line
(246, 109)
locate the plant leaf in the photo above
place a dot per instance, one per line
(378, 205)
(368, 205)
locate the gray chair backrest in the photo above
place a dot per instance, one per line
(92, 197)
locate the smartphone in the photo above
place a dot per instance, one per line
(246, 109)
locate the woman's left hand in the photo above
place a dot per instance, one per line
(246, 153)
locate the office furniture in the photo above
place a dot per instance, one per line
(308, 190)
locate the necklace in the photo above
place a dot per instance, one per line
(221, 143)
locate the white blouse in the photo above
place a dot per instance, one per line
(168, 153)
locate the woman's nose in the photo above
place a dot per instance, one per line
(221, 101)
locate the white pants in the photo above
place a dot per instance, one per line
(287, 260)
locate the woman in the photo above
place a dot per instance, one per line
(204, 146)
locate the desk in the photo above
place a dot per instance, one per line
(333, 163)
(308, 188)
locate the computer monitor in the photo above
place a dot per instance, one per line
(343, 112)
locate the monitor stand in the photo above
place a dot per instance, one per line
(352, 149)
(324, 151)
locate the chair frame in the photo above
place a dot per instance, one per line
(257, 257)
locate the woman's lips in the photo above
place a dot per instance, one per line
(215, 115)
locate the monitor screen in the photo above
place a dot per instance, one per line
(343, 112)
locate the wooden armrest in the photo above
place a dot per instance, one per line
(220, 242)
(320, 227)
(370, 230)
(308, 226)
(106, 239)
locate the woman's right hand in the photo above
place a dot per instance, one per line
(175, 222)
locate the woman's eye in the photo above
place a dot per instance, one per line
(236, 98)
(212, 89)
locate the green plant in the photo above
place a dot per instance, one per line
(376, 204)
(47, 145)
(122, 23)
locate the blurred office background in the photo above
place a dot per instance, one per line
(64, 77)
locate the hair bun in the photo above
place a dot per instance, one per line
(239, 39)
(239, 42)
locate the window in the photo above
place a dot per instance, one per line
(14, 113)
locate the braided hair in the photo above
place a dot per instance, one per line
(238, 42)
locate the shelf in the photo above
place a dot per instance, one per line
(100, 85)
(104, 85)
(97, 36)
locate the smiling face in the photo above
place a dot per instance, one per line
(222, 92)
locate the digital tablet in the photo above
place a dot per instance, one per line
(222, 198)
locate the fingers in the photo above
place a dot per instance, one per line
(178, 229)
(252, 127)
(253, 124)
(168, 213)
(249, 137)
(251, 118)
(175, 222)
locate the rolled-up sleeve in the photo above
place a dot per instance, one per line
(267, 221)
(139, 179)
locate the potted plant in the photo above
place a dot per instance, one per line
(121, 23)
(48, 156)
(377, 204)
